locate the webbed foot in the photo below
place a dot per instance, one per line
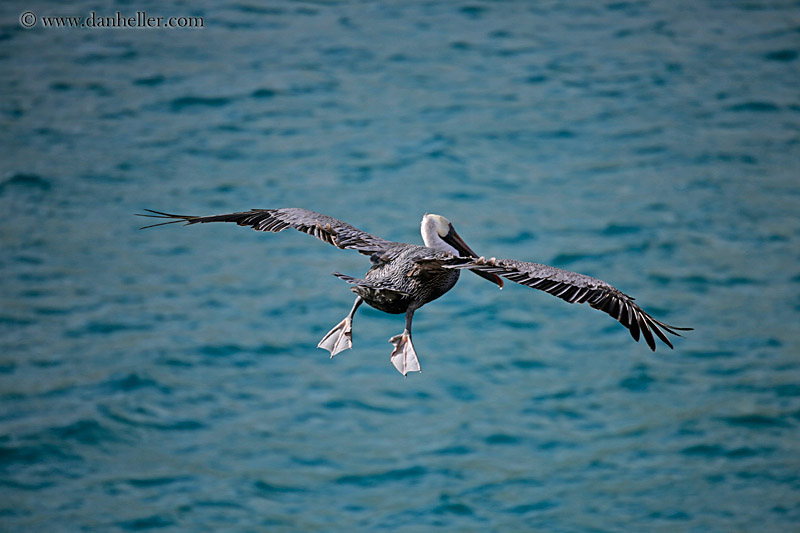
(404, 358)
(338, 339)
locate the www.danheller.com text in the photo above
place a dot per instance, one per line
(141, 19)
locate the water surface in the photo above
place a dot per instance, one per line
(168, 379)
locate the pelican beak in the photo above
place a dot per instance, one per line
(455, 240)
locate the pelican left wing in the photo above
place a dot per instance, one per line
(575, 288)
(325, 228)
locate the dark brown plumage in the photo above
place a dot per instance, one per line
(404, 277)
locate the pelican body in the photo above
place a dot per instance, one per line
(404, 277)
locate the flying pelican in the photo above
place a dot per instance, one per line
(404, 277)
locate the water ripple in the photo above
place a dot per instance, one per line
(377, 478)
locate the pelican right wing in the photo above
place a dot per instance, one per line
(325, 228)
(574, 288)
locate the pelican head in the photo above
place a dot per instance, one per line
(438, 233)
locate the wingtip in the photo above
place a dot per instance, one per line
(174, 219)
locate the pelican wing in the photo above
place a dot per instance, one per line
(575, 288)
(325, 228)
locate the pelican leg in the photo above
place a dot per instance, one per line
(340, 338)
(404, 357)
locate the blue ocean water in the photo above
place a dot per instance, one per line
(168, 379)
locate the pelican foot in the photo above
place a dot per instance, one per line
(338, 339)
(404, 358)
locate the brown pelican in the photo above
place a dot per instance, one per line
(404, 277)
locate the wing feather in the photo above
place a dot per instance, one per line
(575, 288)
(325, 228)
